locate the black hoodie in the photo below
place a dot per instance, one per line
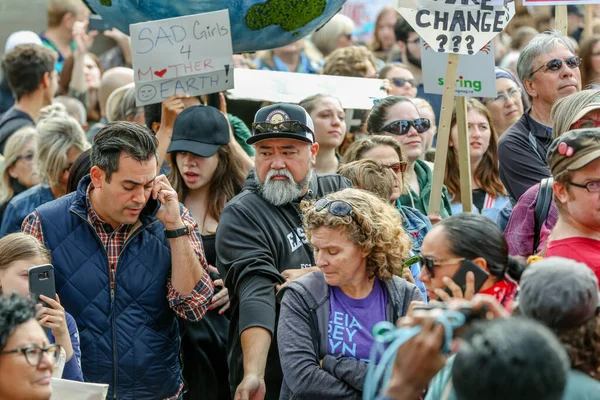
(256, 241)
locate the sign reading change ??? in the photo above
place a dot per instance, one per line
(186, 55)
(457, 26)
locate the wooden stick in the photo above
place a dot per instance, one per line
(443, 135)
(464, 159)
(588, 20)
(561, 20)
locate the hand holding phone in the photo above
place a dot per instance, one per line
(41, 282)
(460, 278)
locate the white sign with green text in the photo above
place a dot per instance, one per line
(475, 77)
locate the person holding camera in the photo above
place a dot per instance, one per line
(467, 254)
(327, 316)
(18, 253)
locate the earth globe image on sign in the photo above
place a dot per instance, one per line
(255, 24)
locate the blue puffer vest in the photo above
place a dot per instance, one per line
(129, 338)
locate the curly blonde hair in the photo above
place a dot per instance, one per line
(380, 233)
(349, 61)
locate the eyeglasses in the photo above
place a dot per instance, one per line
(26, 157)
(339, 208)
(399, 82)
(430, 263)
(592, 187)
(398, 167)
(259, 128)
(402, 126)
(556, 64)
(502, 98)
(34, 353)
(586, 124)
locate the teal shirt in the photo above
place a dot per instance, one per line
(579, 385)
(421, 201)
(241, 133)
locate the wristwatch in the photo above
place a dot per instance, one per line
(175, 233)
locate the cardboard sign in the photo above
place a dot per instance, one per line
(186, 55)
(475, 77)
(292, 87)
(456, 26)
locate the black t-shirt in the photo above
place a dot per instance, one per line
(10, 122)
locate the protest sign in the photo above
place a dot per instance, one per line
(457, 26)
(185, 55)
(475, 77)
(291, 87)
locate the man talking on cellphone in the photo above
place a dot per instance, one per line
(128, 259)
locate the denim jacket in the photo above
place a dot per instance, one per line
(415, 224)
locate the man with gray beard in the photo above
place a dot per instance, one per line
(261, 244)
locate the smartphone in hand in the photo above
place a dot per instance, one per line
(460, 277)
(41, 281)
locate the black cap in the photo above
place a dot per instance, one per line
(279, 113)
(199, 130)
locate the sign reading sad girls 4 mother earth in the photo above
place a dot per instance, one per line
(457, 26)
(186, 55)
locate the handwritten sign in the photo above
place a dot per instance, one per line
(457, 26)
(475, 77)
(185, 55)
(291, 87)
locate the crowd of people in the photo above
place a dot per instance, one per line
(198, 253)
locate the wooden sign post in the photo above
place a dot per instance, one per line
(561, 20)
(588, 20)
(454, 37)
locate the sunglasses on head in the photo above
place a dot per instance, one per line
(399, 167)
(556, 64)
(399, 82)
(339, 208)
(259, 128)
(402, 126)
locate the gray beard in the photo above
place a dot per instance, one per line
(278, 192)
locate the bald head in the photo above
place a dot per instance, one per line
(113, 79)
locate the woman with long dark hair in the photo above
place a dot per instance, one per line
(206, 175)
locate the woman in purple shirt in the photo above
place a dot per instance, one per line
(325, 325)
(18, 253)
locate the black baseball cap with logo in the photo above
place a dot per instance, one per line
(282, 121)
(199, 130)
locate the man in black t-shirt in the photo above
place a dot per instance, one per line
(29, 69)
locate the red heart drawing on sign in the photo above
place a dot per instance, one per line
(160, 73)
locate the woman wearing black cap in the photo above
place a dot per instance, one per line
(206, 175)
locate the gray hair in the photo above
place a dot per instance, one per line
(12, 150)
(541, 44)
(122, 136)
(74, 107)
(325, 38)
(58, 133)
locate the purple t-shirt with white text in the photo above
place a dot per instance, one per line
(351, 322)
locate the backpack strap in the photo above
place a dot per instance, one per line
(542, 208)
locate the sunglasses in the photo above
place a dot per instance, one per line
(399, 167)
(399, 82)
(338, 208)
(402, 126)
(259, 128)
(430, 263)
(556, 64)
(586, 124)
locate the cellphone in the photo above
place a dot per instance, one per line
(99, 24)
(460, 277)
(41, 281)
(152, 207)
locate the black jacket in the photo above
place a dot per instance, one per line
(10, 122)
(522, 152)
(256, 241)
